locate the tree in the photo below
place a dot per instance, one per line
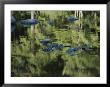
(79, 15)
(32, 27)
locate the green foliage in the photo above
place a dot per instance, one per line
(29, 60)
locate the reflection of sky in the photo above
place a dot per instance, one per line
(24, 23)
(71, 19)
(13, 27)
(13, 20)
(29, 22)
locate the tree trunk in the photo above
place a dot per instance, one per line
(95, 16)
(32, 27)
(33, 32)
(75, 14)
(80, 17)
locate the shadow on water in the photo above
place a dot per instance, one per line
(55, 67)
(21, 65)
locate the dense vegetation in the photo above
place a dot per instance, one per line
(56, 46)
